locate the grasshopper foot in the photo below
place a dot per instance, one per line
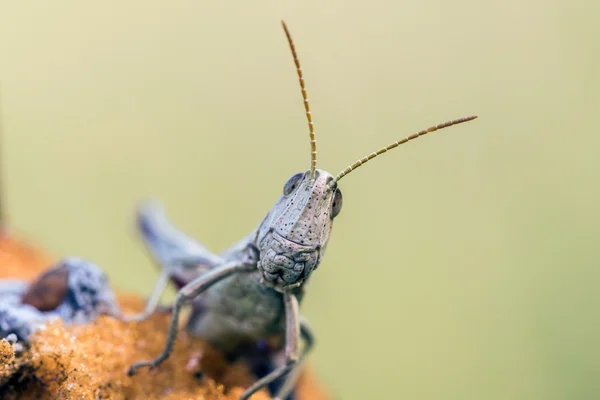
(132, 370)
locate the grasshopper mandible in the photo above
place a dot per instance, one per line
(252, 290)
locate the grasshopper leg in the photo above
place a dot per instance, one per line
(180, 257)
(164, 240)
(306, 333)
(292, 335)
(152, 304)
(167, 273)
(186, 294)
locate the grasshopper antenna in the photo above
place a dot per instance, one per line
(311, 125)
(363, 160)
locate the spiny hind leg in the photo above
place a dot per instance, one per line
(169, 246)
(180, 257)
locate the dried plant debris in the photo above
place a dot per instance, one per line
(74, 290)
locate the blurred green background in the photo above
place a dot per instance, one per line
(464, 265)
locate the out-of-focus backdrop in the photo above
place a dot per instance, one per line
(464, 265)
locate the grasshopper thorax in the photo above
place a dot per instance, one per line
(293, 236)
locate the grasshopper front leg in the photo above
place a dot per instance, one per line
(185, 295)
(292, 335)
(289, 384)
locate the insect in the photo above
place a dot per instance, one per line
(252, 291)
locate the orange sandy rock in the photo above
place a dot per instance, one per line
(7, 354)
(90, 361)
(20, 260)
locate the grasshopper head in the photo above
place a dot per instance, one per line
(294, 235)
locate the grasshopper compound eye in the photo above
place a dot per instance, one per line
(336, 206)
(292, 184)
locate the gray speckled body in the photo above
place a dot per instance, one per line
(285, 249)
(252, 291)
(236, 311)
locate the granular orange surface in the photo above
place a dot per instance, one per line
(90, 361)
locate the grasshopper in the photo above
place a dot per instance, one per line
(252, 291)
